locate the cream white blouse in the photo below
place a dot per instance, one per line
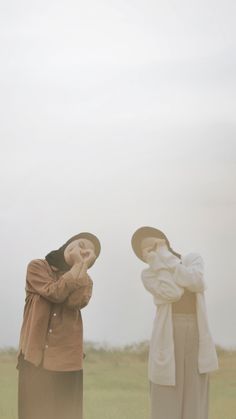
(166, 278)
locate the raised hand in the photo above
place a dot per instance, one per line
(148, 251)
(88, 256)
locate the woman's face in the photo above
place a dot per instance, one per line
(150, 244)
(80, 247)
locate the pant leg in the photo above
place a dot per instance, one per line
(196, 385)
(167, 401)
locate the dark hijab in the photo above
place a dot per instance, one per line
(56, 257)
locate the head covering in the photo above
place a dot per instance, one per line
(144, 232)
(56, 257)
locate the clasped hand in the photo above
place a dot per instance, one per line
(81, 254)
(148, 252)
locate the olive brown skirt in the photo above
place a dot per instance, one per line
(188, 399)
(44, 394)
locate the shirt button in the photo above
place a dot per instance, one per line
(46, 346)
(54, 314)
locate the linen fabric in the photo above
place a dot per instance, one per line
(189, 397)
(167, 287)
(52, 329)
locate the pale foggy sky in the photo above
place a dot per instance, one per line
(117, 115)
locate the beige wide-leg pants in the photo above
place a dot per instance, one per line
(188, 399)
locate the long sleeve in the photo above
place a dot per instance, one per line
(162, 259)
(162, 286)
(190, 274)
(81, 296)
(39, 281)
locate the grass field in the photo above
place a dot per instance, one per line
(116, 386)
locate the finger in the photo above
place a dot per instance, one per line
(149, 249)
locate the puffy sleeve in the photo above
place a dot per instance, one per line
(39, 281)
(162, 286)
(190, 274)
(162, 259)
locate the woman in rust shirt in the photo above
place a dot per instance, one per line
(50, 353)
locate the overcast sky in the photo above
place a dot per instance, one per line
(117, 114)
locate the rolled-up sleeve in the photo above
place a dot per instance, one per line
(39, 281)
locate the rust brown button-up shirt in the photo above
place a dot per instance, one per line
(52, 329)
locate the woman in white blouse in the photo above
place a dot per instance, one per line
(182, 352)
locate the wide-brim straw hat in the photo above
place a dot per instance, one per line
(144, 232)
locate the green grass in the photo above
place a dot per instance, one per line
(116, 386)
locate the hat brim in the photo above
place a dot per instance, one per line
(142, 233)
